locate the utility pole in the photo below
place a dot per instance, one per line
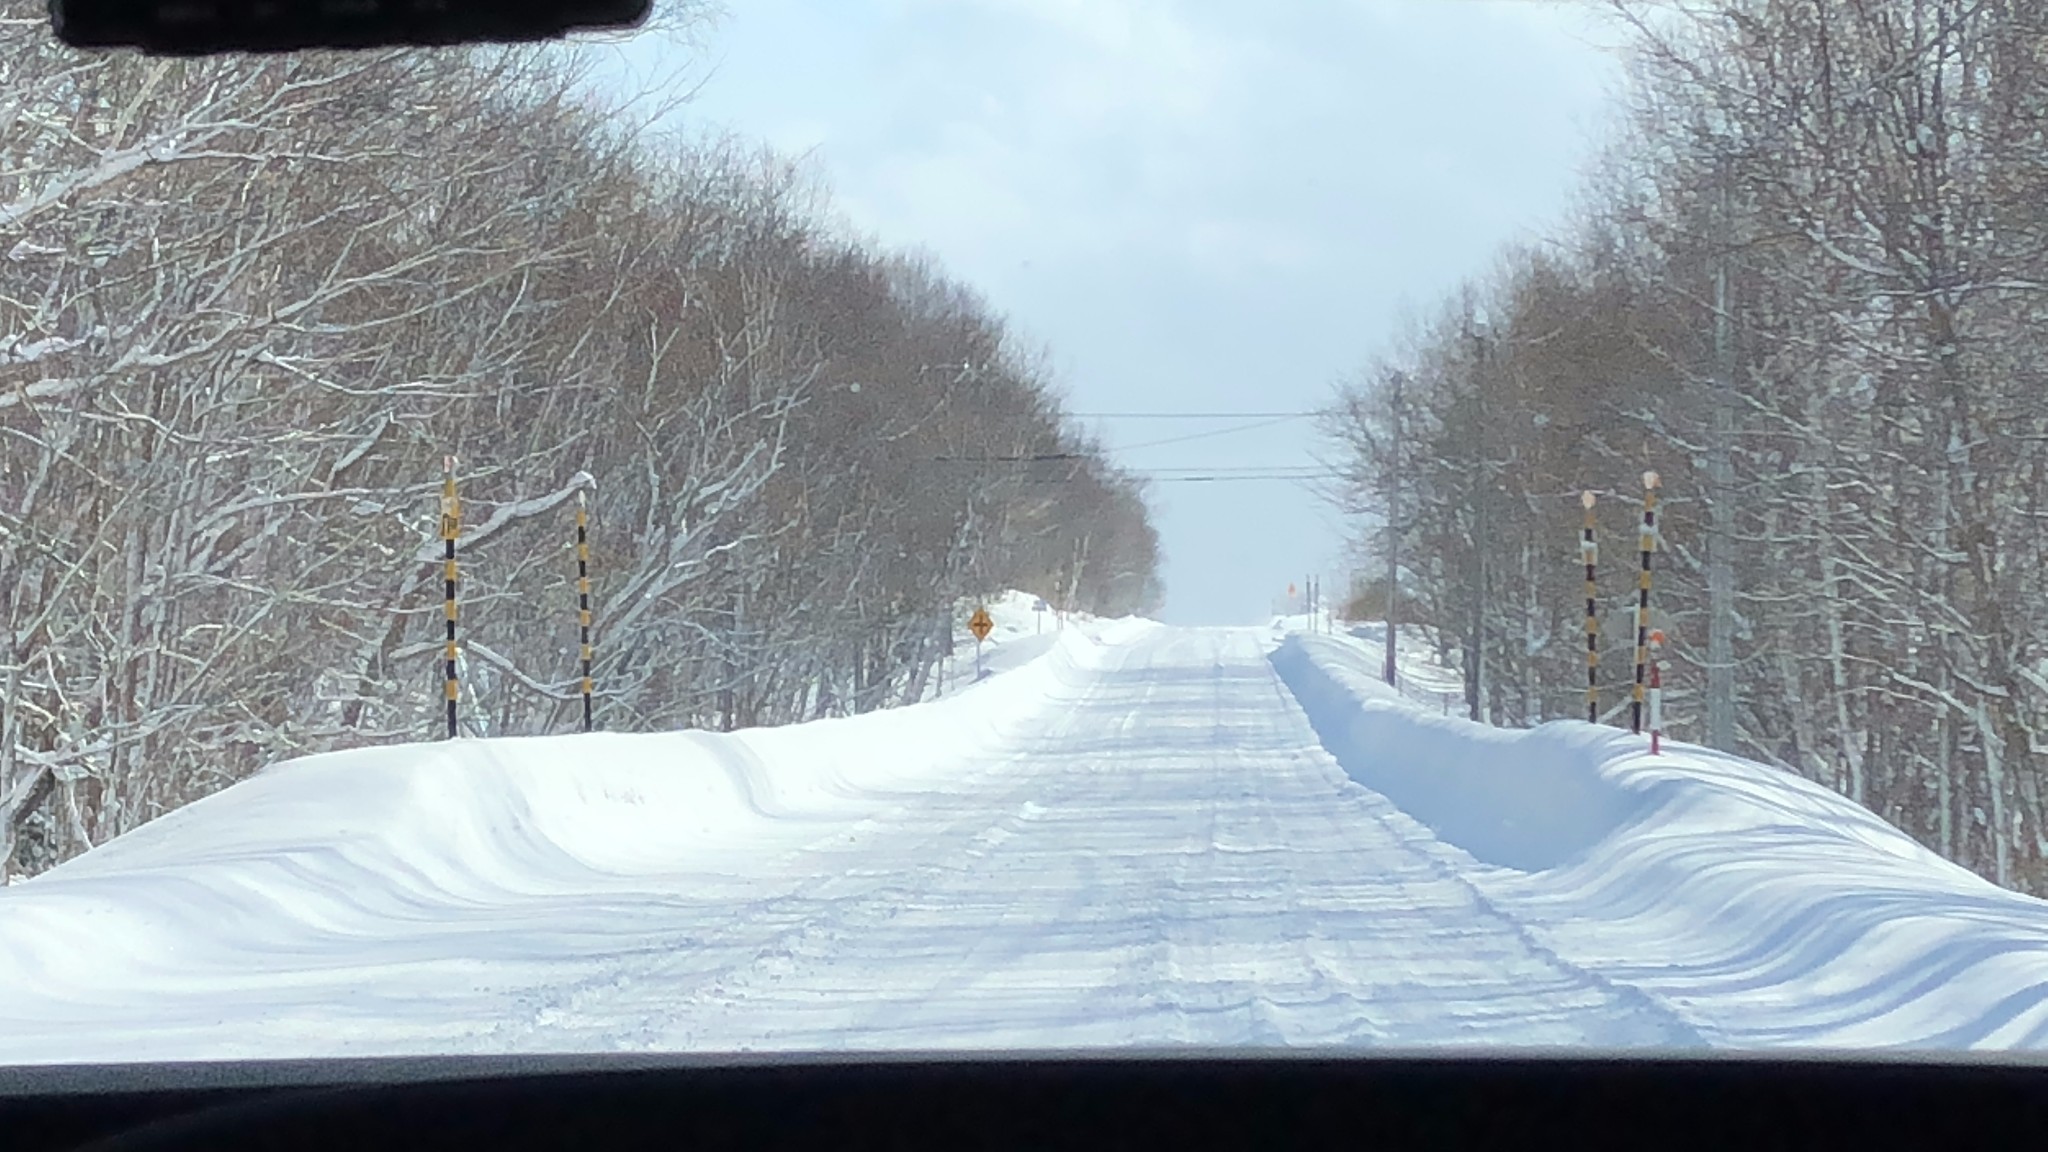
(1393, 525)
(1720, 477)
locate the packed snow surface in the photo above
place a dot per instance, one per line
(1140, 835)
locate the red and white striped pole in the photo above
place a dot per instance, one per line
(1656, 692)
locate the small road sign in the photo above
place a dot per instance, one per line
(981, 624)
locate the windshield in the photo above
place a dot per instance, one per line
(909, 525)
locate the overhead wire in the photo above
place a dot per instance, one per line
(1270, 467)
(1213, 478)
(1182, 474)
(1193, 415)
(1207, 435)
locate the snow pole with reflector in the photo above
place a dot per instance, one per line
(583, 597)
(1648, 544)
(1656, 692)
(451, 527)
(1589, 553)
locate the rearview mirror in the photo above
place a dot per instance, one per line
(207, 27)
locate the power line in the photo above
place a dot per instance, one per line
(1257, 469)
(1180, 474)
(1032, 458)
(1193, 415)
(1205, 435)
(1215, 478)
(1199, 477)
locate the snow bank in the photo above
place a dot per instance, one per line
(394, 847)
(896, 879)
(1517, 799)
(1761, 908)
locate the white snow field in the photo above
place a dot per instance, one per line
(1143, 836)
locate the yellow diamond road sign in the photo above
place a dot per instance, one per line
(980, 624)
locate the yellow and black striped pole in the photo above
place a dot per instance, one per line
(1648, 544)
(583, 596)
(451, 527)
(1589, 551)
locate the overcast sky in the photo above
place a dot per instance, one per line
(1193, 205)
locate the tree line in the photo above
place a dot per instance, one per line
(1809, 287)
(247, 307)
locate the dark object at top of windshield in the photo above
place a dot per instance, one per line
(207, 27)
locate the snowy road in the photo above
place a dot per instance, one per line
(1141, 836)
(1173, 859)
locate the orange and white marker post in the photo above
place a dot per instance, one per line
(1656, 692)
